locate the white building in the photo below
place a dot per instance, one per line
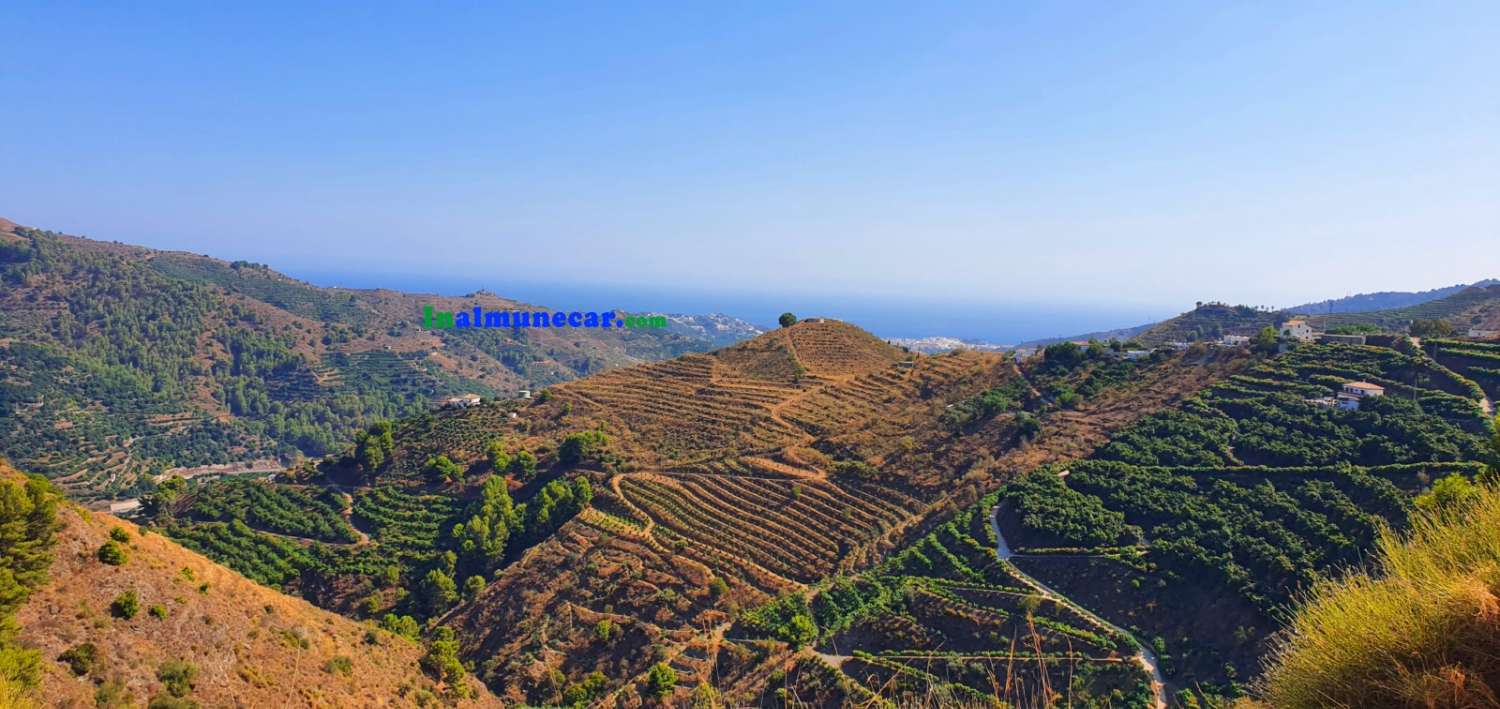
(1135, 355)
(1234, 340)
(1478, 334)
(1350, 396)
(463, 402)
(1297, 329)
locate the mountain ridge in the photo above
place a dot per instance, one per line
(119, 361)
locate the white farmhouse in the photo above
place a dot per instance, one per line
(1234, 340)
(1350, 396)
(1297, 329)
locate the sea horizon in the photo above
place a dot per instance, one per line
(886, 317)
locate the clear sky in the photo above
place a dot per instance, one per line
(1124, 154)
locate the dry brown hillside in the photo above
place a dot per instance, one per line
(250, 646)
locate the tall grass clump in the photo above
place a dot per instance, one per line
(1422, 630)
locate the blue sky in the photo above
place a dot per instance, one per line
(1129, 155)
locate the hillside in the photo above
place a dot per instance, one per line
(809, 513)
(1463, 305)
(1385, 300)
(118, 362)
(1472, 307)
(720, 481)
(246, 645)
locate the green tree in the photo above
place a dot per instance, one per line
(585, 691)
(581, 446)
(439, 592)
(498, 456)
(1265, 341)
(1430, 328)
(442, 468)
(787, 320)
(661, 680)
(403, 625)
(441, 660)
(523, 466)
(472, 586)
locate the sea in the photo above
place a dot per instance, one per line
(907, 316)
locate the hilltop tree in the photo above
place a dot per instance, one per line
(372, 447)
(787, 320)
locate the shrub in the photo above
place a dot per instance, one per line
(443, 468)
(80, 658)
(661, 680)
(119, 534)
(580, 694)
(403, 625)
(605, 630)
(177, 676)
(157, 611)
(339, 665)
(125, 605)
(112, 553)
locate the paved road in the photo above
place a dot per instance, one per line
(1145, 656)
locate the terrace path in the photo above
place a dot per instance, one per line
(1145, 657)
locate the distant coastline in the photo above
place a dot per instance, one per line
(888, 318)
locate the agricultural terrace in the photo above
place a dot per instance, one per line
(669, 553)
(1208, 518)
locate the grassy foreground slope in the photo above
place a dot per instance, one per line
(118, 362)
(1421, 630)
(194, 630)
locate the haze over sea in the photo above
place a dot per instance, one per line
(909, 316)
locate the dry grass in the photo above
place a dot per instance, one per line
(1423, 633)
(250, 645)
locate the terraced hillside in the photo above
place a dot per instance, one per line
(1195, 527)
(855, 449)
(118, 363)
(1152, 568)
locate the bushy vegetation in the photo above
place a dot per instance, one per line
(787, 619)
(1417, 631)
(283, 509)
(28, 528)
(581, 446)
